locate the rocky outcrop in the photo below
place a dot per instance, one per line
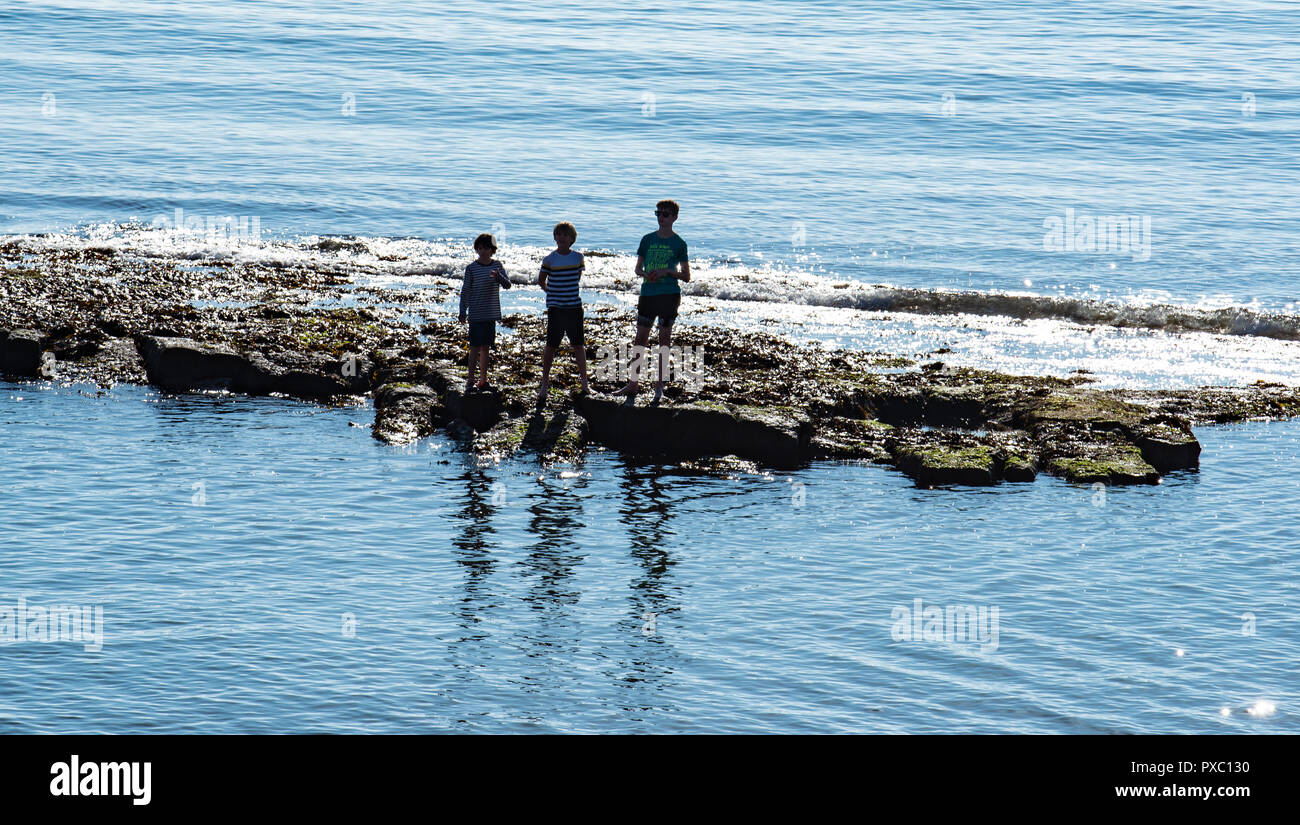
(20, 353)
(557, 438)
(760, 400)
(182, 364)
(930, 466)
(969, 427)
(405, 412)
(493, 423)
(480, 410)
(774, 437)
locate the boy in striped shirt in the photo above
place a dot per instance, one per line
(561, 272)
(480, 301)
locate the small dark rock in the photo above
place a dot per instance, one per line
(20, 353)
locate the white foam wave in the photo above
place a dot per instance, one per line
(396, 262)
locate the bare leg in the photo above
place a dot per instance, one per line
(580, 354)
(638, 361)
(548, 355)
(473, 363)
(487, 350)
(665, 341)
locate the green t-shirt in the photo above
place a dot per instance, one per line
(660, 253)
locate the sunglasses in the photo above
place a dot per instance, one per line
(663, 214)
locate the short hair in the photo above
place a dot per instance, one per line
(670, 205)
(567, 228)
(486, 240)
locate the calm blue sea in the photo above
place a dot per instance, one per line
(263, 565)
(812, 133)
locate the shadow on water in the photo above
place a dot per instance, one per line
(647, 511)
(473, 545)
(555, 518)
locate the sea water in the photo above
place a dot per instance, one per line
(264, 565)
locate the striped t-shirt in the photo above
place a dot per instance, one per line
(562, 275)
(479, 292)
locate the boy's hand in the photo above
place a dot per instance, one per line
(462, 319)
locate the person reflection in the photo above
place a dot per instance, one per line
(646, 510)
(555, 519)
(473, 547)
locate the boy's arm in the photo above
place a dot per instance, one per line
(500, 274)
(541, 276)
(685, 274)
(464, 294)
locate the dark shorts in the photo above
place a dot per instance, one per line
(482, 333)
(562, 321)
(663, 307)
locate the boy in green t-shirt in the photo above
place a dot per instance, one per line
(662, 262)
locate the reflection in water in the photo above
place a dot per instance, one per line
(473, 543)
(646, 510)
(549, 587)
(555, 517)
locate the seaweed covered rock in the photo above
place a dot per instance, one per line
(182, 364)
(774, 437)
(480, 409)
(1079, 408)
(1108, 459)
(293, 329)
(405, 412)
(930, 466)
(1167, 443)
(972, 427)
(841, 437)
(1219, 405)
(560, 438)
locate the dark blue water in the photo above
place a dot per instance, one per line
(264, 566)
(619, 596)
(805, 134)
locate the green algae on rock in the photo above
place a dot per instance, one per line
(304, 330)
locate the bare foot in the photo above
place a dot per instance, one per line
(628, 389)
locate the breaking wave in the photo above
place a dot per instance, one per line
(401, 261)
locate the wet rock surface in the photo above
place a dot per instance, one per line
(776, 438)
(303, 330)
(21, 352)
